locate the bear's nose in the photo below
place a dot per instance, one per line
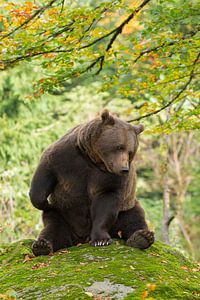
(125, 170)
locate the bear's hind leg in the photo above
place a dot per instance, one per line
(131, 227)
(55, 235)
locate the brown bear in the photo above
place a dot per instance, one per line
(85, 186)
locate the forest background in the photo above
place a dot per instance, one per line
(62, 62)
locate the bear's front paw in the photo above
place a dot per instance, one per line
(100, 239)
(42, 247)
(141, 239)
(104, 242)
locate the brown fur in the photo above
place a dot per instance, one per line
(87, 180)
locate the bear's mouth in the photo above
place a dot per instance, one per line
(110, 169)
(124, 170)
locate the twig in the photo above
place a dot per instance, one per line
(101, 65)
(94, 21)
(62, 6)
(93, 64)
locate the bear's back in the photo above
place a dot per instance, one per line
(70, 168)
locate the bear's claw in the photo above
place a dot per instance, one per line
(142, 239)
(42, 247)
(101, 243)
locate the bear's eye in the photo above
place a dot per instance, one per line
(120, 147)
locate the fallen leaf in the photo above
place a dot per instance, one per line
(97, 297)
(195, 293)
(63, 251)
(27, 257)
(39, 266)
(195, 270)
(164, 261)
(53, 273)
(151, 286)
(154, 254)
(132, 268)
(142, 277)
(77, 270)
(101, 267)
(144, 294)
(89, 294)
(184, 267)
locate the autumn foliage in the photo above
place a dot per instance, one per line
(148, 50)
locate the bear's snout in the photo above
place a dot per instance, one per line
(125, 170)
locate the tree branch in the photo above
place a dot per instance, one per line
(170, 220)
(94, 21)
(165, 44)
(29, 55)
(116, 31)
(37, 13)
(184, 87)
(100, 58)
(166, 82)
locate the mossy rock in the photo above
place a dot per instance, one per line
(86, 272)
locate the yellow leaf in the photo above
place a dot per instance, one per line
(77, 270)
(151, 286)
(144, 294)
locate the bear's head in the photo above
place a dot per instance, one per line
(110, 142)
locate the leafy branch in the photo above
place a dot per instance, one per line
(165, 44)
(32, 54)
(168, 81)
(184, 87)
(115, 32)
(26, 22)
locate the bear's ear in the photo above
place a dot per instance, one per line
(138, 128)
(107, 119)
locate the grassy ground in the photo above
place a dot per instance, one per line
(85, 272)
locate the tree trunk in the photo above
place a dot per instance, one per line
(166, 208)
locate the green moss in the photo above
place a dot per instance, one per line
(80, 272)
